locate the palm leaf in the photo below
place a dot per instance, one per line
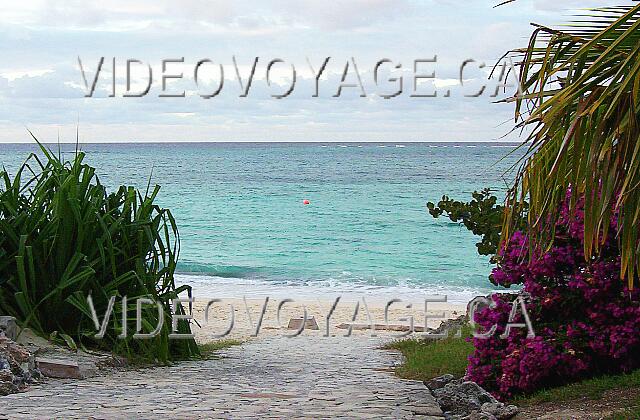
(581, 86)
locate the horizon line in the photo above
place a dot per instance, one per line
(266, 142)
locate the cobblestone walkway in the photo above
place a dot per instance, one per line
(277, 377)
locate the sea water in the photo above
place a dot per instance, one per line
(245, 231)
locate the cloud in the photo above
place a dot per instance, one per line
(118, 15)
(41, 86)
(114, 15)
(349, 14)
(49, 103)
(567, 5)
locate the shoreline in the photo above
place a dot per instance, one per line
(206, 286)
(246, 314)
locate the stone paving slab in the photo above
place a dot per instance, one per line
(276, 377)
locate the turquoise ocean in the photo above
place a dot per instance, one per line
(245, 230)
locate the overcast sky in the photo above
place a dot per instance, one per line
(42, 88)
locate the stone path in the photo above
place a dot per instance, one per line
(276, 377)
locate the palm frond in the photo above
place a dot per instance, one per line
(581, 85)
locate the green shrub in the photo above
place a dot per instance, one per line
(63, 237)
(482, 216)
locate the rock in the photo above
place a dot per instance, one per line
(17, 367)
(7, 385)
(9, 327)
(476, 392)
(455, 402)
(439, 382)
(451, 326)
(296, 323)
(477, 415)
(65, 369)
(15, 355)
(44, 348)
(33, 342)
(499, 410)
(466, 400)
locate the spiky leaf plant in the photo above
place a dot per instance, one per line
(63, 237)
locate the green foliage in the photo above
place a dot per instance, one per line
(427, 359)
(482, 216)
(63, 237)
(580, 104)
(593, 388)
(210, 349)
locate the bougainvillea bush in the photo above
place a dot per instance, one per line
(586, 320)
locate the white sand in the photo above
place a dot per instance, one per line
(219, 316)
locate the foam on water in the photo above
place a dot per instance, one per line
(207, 287)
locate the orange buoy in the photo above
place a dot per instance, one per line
(305, 202)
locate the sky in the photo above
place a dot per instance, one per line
(43, 42)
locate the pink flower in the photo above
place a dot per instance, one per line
(586, 320)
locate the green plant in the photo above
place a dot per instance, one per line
(425, 359)
(482, 216)
(593, 388)
(209, 350)
(63, 238)
(581, 91)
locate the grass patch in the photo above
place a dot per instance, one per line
(426, 359)
(210, 349)
(593, 388)
(629, 413)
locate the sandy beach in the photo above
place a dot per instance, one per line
(246, 314)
